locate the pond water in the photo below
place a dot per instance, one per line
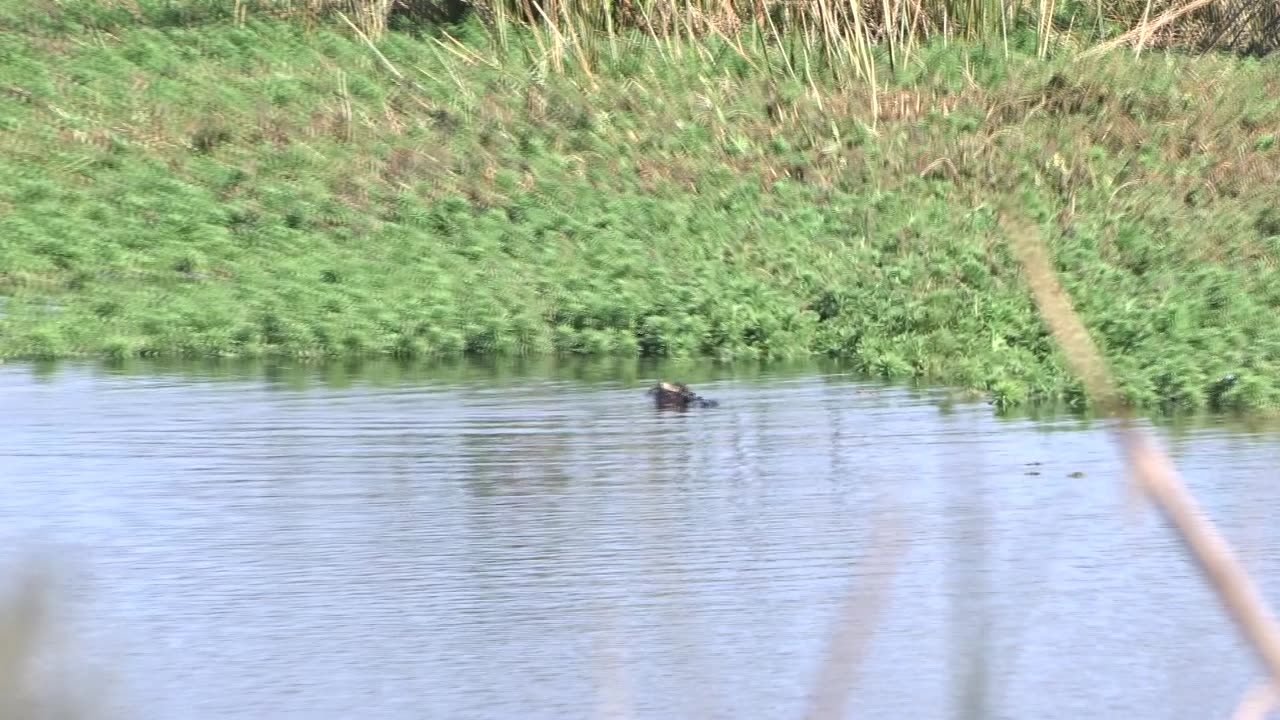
(540, 542)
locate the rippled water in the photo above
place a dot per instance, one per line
(547, 545)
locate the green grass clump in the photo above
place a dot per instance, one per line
(225, 190)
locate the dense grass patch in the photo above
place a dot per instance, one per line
(217, 190)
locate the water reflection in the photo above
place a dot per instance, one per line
(516, 539)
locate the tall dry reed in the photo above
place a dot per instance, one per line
(1149, 466)
(846, 34)
(846, 39)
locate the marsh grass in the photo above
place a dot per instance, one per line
(207, 188)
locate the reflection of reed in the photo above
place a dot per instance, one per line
(836, 433)
(613, 695)
(613, 698)
(31, 685)
(971, 621)
(855, 624)
(20, 637)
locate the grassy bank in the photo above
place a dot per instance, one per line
(207, 188)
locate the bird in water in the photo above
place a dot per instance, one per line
(679, 396)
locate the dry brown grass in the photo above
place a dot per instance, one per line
(843, 32)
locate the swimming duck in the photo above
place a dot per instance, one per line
(678, 395)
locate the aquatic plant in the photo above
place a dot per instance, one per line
(220, 189)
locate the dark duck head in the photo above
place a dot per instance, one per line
(678, 395)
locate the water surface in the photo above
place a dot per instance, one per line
(541, 543)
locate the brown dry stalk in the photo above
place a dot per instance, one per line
(1064, 323)
(1146, 29)
(367, 41)
(1151, 467)
(614, 698)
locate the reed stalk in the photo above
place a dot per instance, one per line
(846, 34)
(1150, 466)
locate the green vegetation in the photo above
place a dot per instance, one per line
(184, 184)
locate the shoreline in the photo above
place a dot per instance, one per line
(268, 191)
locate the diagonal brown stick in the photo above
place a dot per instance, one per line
(1145, 30)
(1152, 469)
